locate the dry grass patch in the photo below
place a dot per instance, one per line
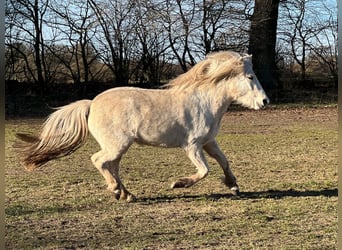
(285, 161)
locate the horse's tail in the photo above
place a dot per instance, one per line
(63, 132)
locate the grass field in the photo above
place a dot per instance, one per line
(285, 160)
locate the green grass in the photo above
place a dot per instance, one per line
(285, 161)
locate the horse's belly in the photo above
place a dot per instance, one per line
(162, 137)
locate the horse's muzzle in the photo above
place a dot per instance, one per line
(266, 101)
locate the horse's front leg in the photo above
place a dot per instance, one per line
(195, 153)
(214, 151)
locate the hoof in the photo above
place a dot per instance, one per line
(115, 191)
(182, 183)
(126, 196)
(117, 194)
(121, 194)
(233, 187)
(235, 191)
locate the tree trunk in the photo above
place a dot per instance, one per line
(37, 45)
(262, 42)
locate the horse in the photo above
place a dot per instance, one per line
(184, 113)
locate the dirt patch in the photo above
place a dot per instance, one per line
(279, 115)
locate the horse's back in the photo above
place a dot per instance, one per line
(143, 115)
(129, 99)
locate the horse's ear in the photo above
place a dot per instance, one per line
(247, 56)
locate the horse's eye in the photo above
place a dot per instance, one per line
(250, 77)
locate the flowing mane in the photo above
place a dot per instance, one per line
(214, 68)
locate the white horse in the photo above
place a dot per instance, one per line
(185, 113)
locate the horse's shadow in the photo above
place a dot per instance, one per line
(269, 194)
(17, 210)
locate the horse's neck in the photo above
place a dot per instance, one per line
(220, 107)
(215, 102)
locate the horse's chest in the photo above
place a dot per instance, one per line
(207, 127)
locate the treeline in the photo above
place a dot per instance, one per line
(147, 42)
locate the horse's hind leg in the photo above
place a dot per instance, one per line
(103, 164)
(108, 166)
(214, 151)
(196, 155)
(121, 192)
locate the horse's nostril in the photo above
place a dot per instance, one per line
(265, 101)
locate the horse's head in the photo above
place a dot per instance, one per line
(245, 88)
(228, 72)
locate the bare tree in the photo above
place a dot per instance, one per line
(214, 18)
(54, 40)
(26, 19)
(234, 26)
(179, 21)
(194, 27)
(115, 44)
(299, 34)
(17, 62)
(75, 26)
(324, 45)
(153, 43)
(307, 26)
